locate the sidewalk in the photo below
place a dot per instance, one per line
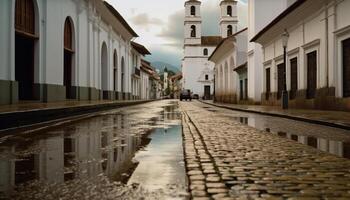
(336, 119)
(29, 113)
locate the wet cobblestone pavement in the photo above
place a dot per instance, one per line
(226, 159)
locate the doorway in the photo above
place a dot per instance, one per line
(311, 74)
(346, 68)
(25, 39)
(206, 92)
(68, 58)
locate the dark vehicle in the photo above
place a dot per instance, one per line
(195, 96)
(185, 94)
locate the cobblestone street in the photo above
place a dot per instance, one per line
(226, 159)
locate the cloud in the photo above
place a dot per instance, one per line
(174, 30)
(145, 21)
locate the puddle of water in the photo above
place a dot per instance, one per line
(332, 140)
(90, 158)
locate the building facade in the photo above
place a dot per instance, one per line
(58, 50)
(230, 58)
(318, 51)
(197, 70)
(256, 21)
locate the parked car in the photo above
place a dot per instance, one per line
(186, 95)
(195, 96)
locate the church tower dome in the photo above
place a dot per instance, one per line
(229, 18)
(193, 22)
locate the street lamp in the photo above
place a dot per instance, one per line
(285, 37)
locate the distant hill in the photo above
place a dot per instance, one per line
(161, 66)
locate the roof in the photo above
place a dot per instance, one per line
(146, 66)
(211, 40)
(120, 18)
(241, 68)
(177, 76)
(223, 41)
(140, 48)
(278, 19)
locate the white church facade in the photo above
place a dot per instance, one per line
(198, 75)
(58, 50)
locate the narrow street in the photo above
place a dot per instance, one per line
(177, 150)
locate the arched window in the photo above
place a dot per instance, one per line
(205, 52)
(229, 30)
(104, 70)
(68, 35)
(229, 11)
(206, 77)
(193, 31)
(25, 16)
(193, 10)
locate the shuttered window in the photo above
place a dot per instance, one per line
(293, 77)
(280, 77)
(25, 17)
(346, 68)
(311, 74)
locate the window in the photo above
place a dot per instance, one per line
(206, 77)
(229, 11)
(25, 16)
(311, 74)
(193, 31)
(293, 77)
(229, 30)
(205, 51)
(246, 89)
(193, 10)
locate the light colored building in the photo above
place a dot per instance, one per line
(176, 85)
(196, 68)
(57, 50)
(230, 55)
(318, 52)
(138, 53)
(257, 19)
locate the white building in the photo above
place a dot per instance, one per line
(318, 52)
(257, 19)
(230, 58)
(138, 54)
(197, 70)
(57, 50)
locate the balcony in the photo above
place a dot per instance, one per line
(137, 71)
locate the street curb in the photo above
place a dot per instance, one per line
(18, 119)
(296, 118)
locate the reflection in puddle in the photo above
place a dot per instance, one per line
(72, 159)
(333, 140)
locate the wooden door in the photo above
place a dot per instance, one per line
(241, 90)
(268, 83)
(207, 92)
(68, 58)
(293, 77)
(346, 68)
(280, 76)
(311, 74)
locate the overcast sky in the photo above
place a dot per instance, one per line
(159, 23)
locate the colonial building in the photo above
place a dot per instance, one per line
(196, 68)
(137, 54)
(175, 85)
(57, 50)
(318, 51)
(150, 82)
(230, 58)
(257, 20)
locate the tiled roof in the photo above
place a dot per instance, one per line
(140, 48)
(211, 40)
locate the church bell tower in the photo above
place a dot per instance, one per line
(229, 18)
(193, 23)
